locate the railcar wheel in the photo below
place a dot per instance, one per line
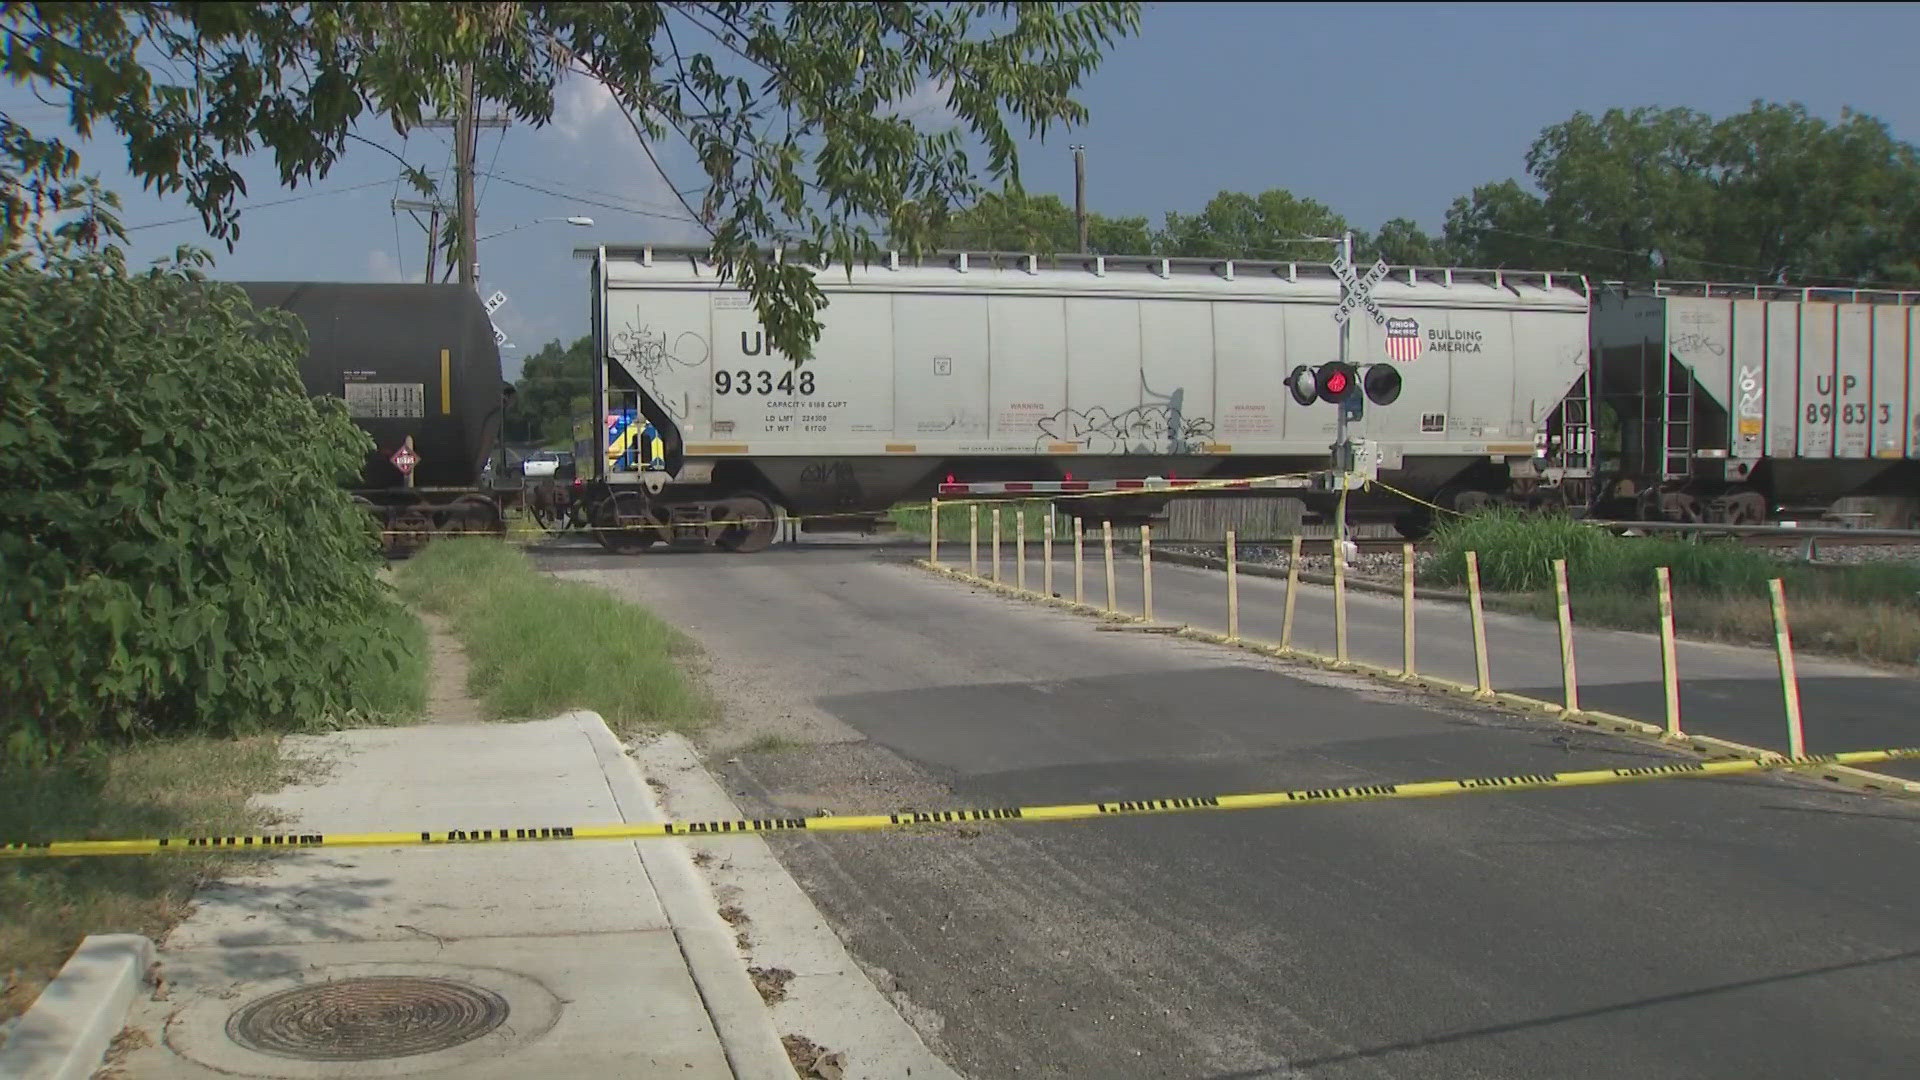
(1414, 524)
(474, 514)
(624, 538)
(1680, 506)
(751, 527)
(1741, 506)
(408, 530)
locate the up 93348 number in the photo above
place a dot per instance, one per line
(762, 382)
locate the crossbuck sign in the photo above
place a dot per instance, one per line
(1359, 291)
(494, 303)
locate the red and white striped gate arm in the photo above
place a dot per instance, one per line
(1071, 487)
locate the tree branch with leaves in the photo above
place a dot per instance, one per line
(194, 88)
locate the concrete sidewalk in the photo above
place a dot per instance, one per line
(574, 958)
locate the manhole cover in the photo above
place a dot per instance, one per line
(367, 1019)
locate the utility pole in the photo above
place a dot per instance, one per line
(466, 141)
(433, 243)
(464, 152)
(1080, 193)
(433, 210)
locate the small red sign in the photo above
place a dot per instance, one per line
(404, 458)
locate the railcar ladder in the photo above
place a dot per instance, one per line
(1676, 422)
(1576, 429)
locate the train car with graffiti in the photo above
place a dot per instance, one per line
(1742, 404)
(995, 367)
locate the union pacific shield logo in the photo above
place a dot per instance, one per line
(1403, 339)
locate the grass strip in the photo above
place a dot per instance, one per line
(537, 646)
(187, 785)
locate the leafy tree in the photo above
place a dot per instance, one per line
(1798, 199)
(1042, 225)
(1503, 225)
(790, 109)
(1772, 195)
(1270, 225)
(180, 553)
(554, 389)
(1402, 243)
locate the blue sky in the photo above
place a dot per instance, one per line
(1379, 110)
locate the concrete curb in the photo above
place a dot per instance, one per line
(64, 1035)
(1843, 775)
(740, 1017)
(831, 1000)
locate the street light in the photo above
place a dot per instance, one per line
(574, 220)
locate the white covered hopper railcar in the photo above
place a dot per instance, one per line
(997, 367)
(1743, 403)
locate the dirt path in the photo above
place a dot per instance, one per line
(447, 697)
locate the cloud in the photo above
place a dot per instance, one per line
(927, 105)
(381, 266)
(581, 106)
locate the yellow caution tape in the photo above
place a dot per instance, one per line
(1412, 498)
(495, 834)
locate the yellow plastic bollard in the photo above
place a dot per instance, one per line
(1669, 668)
(1293, 590)
(1789, 681)
(1406, 610)
(1568, 678)
(1479, 625)
(1233, 591)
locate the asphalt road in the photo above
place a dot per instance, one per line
(1752, 927)
(1729, 691)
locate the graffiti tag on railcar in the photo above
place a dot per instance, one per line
(1143, 429)
(1751, 410)
(646, 355)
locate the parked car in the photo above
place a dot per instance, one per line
(541, 464)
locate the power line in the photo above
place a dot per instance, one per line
(264, 205)
(490, 164)
(592, 202)
(564, 184)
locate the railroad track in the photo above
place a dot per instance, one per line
(1322, 545)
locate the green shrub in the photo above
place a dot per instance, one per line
(1516, 552)
(178, 551)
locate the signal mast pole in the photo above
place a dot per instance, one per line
(1342, 450)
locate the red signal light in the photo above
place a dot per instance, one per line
(1336, 382)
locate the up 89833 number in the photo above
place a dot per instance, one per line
(762, 382)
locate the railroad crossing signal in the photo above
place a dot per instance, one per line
(1343, 384)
